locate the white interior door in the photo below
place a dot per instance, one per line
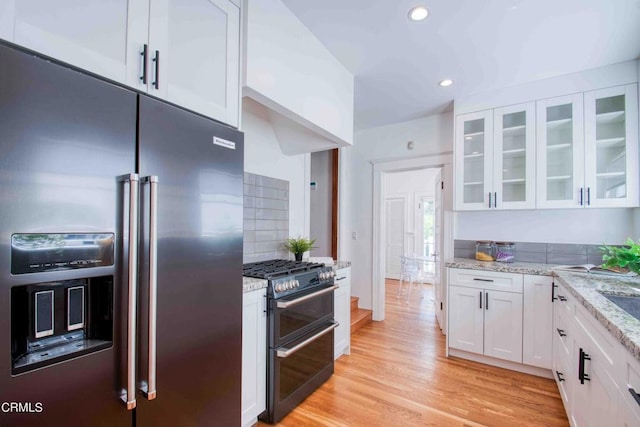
(438, 273)
(394, 227)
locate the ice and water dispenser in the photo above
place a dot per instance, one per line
(53, 321)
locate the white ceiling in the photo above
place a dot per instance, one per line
(480, 44)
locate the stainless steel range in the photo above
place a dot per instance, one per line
(300, 326)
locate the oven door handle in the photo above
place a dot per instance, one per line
(287, 304)
(286, 352)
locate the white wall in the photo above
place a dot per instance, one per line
(636, 224)
(263, 156)
(290, 70)
(320, 227)
(430, 135)
(418, 181)
(586, 226)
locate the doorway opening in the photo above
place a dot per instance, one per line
(442, 235)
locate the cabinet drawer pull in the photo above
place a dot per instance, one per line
(340, 278)
(482, 280)
(562, 298)
(156, 60)
(581, 358)
(144, 55)
(635, 395)
(561, 332)
(559, 375)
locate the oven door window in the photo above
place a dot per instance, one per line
(296, 370)
(295, 320)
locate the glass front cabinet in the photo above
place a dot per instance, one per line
(572, 151)
(496, 154)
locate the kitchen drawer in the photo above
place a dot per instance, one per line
(343, 275)
(489, 280)
(562, 373)
(562, 326)
(564, 299)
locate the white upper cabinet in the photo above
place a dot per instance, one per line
(611, 147)
(560, 151)
(184, 51)
(91, 34)
(514, 160)
(588, 149)
(198, 44)
(474, 154)
(495, 155)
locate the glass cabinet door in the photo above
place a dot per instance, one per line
(514, 157)
(611, 159)
(560, 154)
(474, 144)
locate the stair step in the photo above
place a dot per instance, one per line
(354, 304)
(359, 318)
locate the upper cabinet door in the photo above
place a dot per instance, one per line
(94, 35)
(194, 48)
(474, 158)
(560, 152)
(611, 146)
(514, 157)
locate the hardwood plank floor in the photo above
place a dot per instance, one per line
(397, 375)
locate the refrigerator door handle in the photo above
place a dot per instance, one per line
(129, 395)
(149, 388)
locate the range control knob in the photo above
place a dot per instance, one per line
(332, 273)
(278, 287)
(291, 284)
(296, 283)
(323, 275)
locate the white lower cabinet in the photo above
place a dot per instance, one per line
(254, 355)
(537, 321)
(342, 312)
(595, 373)
(485, 317)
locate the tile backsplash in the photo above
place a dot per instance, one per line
(266, 218)
(545, 253)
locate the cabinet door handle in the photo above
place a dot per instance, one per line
(581, 197)
(495, 199)
(486, 300)
(588, 196)
(480, 300)
(489, 200)
(559, 375)
(482, 280)
(144, 55)
(553, 292)
(561, 332)
(635, 395)
(156, 60)
(340, 278)
(581, 358)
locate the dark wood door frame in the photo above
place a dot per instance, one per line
(335, 161)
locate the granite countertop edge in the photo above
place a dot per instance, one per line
(584, 287)
(250, 284)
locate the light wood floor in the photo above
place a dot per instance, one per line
(397, 375)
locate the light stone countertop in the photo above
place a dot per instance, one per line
(341, 264)
(252, 284)
(585, 288)
(505, 267)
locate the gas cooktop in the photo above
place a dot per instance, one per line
(277, 267)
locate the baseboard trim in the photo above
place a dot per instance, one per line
(506, 364)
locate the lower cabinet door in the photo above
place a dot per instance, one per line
(537, 325)
(503, 325)
(466, 318)
(254, 355)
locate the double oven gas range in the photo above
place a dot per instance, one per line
(300, 324)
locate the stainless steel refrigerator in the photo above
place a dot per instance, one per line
(120, 255)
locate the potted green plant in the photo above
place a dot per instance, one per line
(622, 257)
(299, 246)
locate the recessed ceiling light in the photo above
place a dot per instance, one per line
(446, 82)
(418, 13)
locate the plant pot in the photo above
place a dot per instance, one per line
(299, 257)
